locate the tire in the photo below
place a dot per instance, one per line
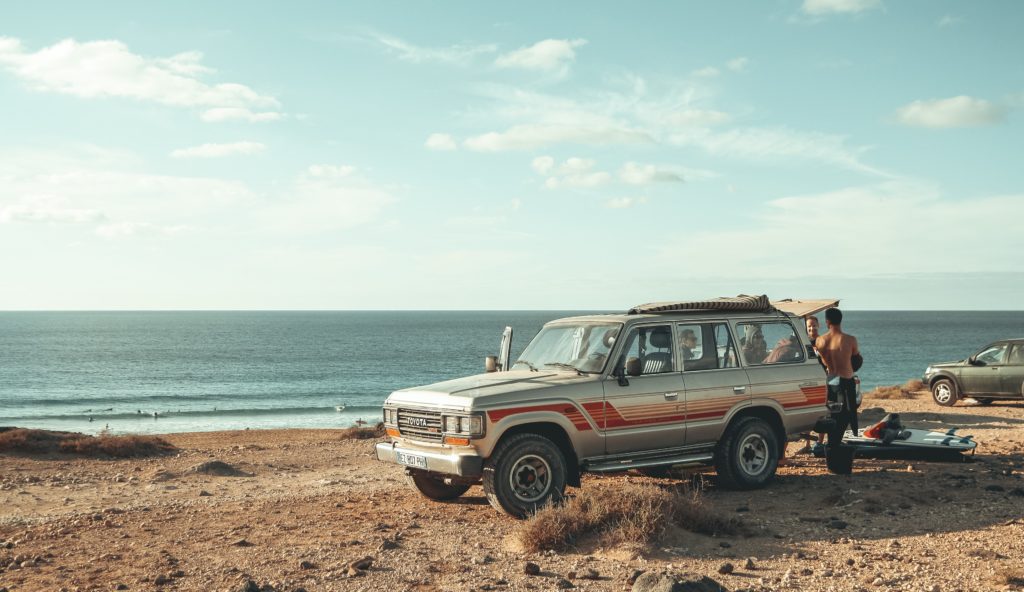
(748, 454)
(945, 393)
(525, 473)
(434, 487)
(984, 401)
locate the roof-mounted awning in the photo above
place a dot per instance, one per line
(803, 308)
(741, 303)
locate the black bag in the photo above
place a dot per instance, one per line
(857, 361)
(839, 459)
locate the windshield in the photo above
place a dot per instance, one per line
(579, 347)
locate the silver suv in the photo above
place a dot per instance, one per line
(720, 382)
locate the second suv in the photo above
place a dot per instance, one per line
(995, 372)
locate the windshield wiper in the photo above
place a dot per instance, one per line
(565, 366)
(528, 364)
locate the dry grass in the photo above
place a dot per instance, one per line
(48, 442)
(907, 390)
(1011, 578)
(363, 433)
(630, 514)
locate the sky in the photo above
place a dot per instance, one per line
(458, 155)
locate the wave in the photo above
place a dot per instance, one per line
(211, 398)
(113, 413)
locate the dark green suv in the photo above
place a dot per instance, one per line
(995, 372)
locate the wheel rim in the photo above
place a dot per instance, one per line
(530, 478)
(753, 452)
(943, 393)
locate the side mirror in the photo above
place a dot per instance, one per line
(633, 367)
(491, 364)
(973, 361)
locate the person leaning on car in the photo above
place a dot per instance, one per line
(837, 350)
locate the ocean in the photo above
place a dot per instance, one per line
(162, 372)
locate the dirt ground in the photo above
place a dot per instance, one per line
(308, 504)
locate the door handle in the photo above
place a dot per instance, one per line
(671, 395)
(739, 390)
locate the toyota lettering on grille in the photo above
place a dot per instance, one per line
(417, 422)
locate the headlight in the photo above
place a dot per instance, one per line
(390, 416)
(466, 425)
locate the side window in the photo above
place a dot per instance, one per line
(651, 347)
(993, 355)
(1017, 355)
(769, 343)
(707, 346)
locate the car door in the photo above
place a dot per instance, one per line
(713, 380)
(774, 359)
(982, 376)
(1012, 373)
(646, 412)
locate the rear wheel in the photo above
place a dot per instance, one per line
(434, 487)
(748, 454)
(944, 392)
(525, 473)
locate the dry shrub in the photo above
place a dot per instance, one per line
(906, 391)
(357, 432)
(621, 514)
(46, 442)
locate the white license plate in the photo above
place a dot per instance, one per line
(411, 460)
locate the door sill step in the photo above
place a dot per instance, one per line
(624, 465)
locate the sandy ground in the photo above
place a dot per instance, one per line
(309, 504)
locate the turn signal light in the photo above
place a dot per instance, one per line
(393, 432)
(456, 441)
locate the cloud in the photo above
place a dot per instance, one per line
(100, 191)
(706, 72)
(961, 111)
(239, 114)
(219, 150)
(105, 69)
(532, 136)
(781, 143)
(330, 171)
(440, 142)
(575, 172)
(644, 174)
(543, 164)
(325, 198)
(460, 54)
(825, 7)
(738, 64)
(621, 203)
(776, 235)
(550, 55)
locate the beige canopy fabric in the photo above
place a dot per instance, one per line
(803, 308)
(741, 303)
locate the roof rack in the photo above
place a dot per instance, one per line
(741, 303)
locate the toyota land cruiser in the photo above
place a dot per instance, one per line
(721, 382)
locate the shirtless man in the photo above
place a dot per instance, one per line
(837, 350)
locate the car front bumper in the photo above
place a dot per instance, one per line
(446, 461)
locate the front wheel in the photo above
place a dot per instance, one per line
(748, 454)
(525, 473)
(434, 487)
(944, 392)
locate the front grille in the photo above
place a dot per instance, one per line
(419, 424)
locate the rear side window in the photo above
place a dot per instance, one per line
(706, 346)
(769, 343)
(1017, 355)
